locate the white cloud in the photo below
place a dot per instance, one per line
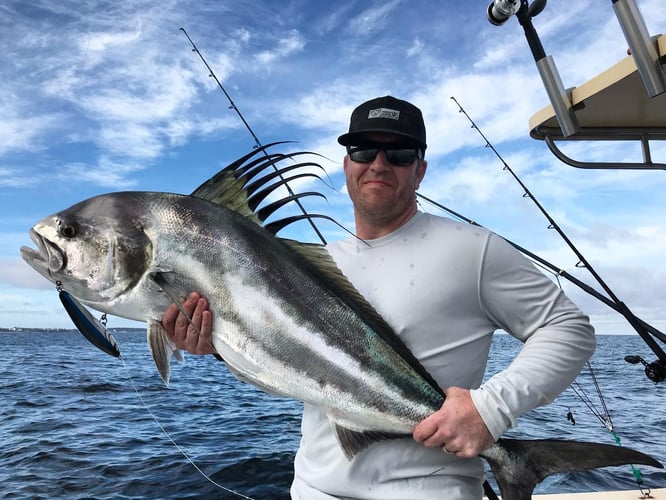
(106, 173)
(20, 131)
(416, 48)
(110, 96)
(17, 273)
(372, 19)
(15, 178)
(286, 46)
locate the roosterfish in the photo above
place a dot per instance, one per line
(285, 318)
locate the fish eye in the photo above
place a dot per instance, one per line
(68, 230)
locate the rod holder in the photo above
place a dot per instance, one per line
(559, 97)
(643, 48)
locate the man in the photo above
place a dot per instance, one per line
(444, 287)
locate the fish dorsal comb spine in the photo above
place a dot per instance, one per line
(244, 184)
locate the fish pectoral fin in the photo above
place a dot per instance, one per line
(519, 465)
(353, 442)
(162, 279)
(162, 349)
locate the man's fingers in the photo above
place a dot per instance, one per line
(205, 341)
(183, 323)
(169, 320)
(207, 323)
(196, 316)
(190, 325)
(430, 431)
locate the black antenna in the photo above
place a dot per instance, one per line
(257, 143)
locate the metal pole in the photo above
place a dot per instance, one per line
(643, 48)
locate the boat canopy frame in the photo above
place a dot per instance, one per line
(627, 102)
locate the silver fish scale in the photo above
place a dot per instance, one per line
(294, 323)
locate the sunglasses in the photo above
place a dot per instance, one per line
(401, 157)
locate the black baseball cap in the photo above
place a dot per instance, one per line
(390, 115)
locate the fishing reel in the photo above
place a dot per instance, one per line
(499, 11)
(655, 371)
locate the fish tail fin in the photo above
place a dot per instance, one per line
(162, 349)
(519, 465)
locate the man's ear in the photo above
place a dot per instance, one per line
(420, 172)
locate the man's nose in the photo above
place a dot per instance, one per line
(380, 162)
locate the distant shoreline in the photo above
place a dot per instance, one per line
(19, 329)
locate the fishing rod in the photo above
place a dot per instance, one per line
(655, 371)
(257, 143)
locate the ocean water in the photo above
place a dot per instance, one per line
(77, 423)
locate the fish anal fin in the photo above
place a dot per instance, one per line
(162, 349)
(519, 465)
(353, 442)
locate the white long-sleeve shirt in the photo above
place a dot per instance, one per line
(445, 287)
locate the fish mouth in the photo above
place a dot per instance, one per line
(47, 259)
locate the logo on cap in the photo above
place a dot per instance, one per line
(391, 114)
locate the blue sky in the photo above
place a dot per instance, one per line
(100, 96)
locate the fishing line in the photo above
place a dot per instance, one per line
(543, 264)
(603, 416)
(96, 332)
(606, 420)
(178, 447)
(555, 270)
(232, 105)
(612, 301)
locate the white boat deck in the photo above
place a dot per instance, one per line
(656, 494)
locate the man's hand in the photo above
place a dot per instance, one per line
(456, 427)
(195, 338)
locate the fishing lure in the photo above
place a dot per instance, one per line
(91, 328)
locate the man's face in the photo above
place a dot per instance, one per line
(380, 189)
